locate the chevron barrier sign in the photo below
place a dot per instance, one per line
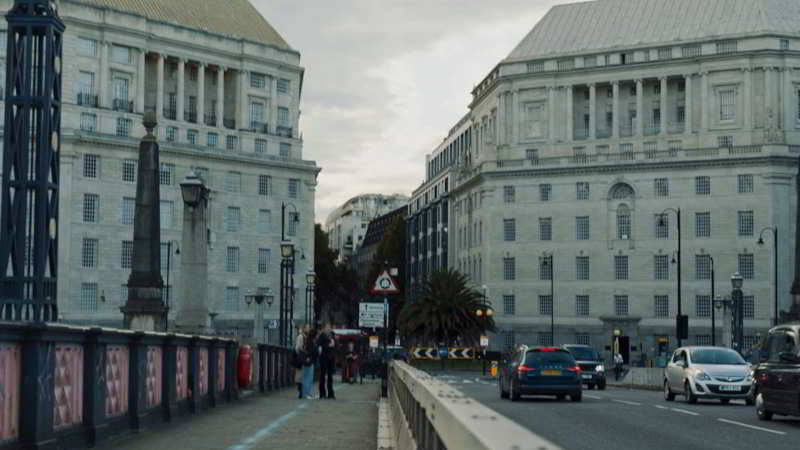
(451, 353)
(424, 353)
(461, 353)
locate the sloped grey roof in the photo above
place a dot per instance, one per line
(606, 24)
(236, 18)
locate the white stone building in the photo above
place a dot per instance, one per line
(347, 225)
(226, 88)
(607, 114)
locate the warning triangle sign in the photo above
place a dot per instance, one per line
(384, 285)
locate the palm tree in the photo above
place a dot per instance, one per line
(444, 312)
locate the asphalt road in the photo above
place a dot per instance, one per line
(623, 419)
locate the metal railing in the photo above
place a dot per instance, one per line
(87, 99)
(211, 120)
(259, 127)
(284, 131)
(430, 414)
(122, 104)
(170, 113)
(190, 116)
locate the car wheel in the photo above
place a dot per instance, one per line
(761, 408)
(513, 392)
(503, 394)
(576, 397)
(601, 386)
(690, 397)
(668, 394)
(561, 396)
(725, 401)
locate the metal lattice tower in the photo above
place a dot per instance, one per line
(29, 215)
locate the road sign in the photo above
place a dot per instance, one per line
(384, 285)
(370, 315)
(373, 342)
(484, 341)
(424, 353)
(461, 353)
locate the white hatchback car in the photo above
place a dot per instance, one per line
(708, 372)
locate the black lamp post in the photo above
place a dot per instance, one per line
(548, 262)
(738, 310)
(713, 296)
(287, 286)
(310, 279)
(775, 264)
(681, 321)
(168, 297)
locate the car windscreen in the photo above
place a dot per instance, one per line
(583, 353)
(716, 356)
(535, 358)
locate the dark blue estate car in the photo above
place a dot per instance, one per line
(541, 371)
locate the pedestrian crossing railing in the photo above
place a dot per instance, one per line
(429, 414)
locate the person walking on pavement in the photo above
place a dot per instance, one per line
(311, 360)
(300, 358)
(326, 350)
(618, 362)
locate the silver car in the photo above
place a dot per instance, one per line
(708, 372)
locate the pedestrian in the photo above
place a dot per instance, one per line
(310, 362)
(300, 358)
(350, 360)
(326, 350)
(618, 362)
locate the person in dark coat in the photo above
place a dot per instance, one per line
(327, 361)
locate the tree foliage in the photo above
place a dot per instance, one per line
(444, 312)
(336, 285)
(391, 253)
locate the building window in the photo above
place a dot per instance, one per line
(261, 146)
(661, 267)
(509, 305)
(661, 305)
(745, 223)
(724, 47)
(87, 47)
(294, 220)
(264, 184)
(702, 224)
(258, 80)
(532, 154)
(509, 194)
(283, 86)
(283, 116)
(536, 66)
(88, 297)
(725, 141)
(745, 183)
(727, 105)
(509, 230)
(702, 185)
(565, 64)
(172, 134)
(232, 260)
(166, 174)
(233, 219)
(120, 54)
(582, 305)
(264, 221)
(750, 341)
(203, 173)
(126, 255)
(702, 267)
(294, 188)
(582, 228)
(545, 339)
(690, 51)
(545, 269)
(231, 143)
(545, 229)
(212, 140)
(263, 260)
(749, 306)
(508, 340)
(89, 122)
(165, 207)
(545, 305)
(129, 170)
(590, 61)
(620, 267)
(703, 305)
(509, 269)
(583, 339)
(784, 44)
(661, 226)
(620, 305)
(86, 89)
(623, 222)
(128, 210)
(285, 150)
(544, 192)
(91, 206)
(661, 187)
(231, 298)
(582, 190)
(124, 127)
(191, 137)
(665, 53)
(91, 166)
(582, 268)
(233, 182)
(745, 266)
(702, 339)
(89, 253)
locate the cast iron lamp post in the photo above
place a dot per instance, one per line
(287, 287)
(681, 321)
(310, 279)
(775, 264)
(547, 261)
(258, 320)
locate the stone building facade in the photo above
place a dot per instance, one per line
(589, 137)
(226, 90)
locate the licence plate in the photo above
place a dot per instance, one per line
(728, 388)
(551, 372)
(587, 376)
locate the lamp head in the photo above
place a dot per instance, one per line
(270, 299)
(248, 298)
(310, 277)
(737, 280)
(193, 190)
(489, 312)
(760, 241)
(479, 312)
(287, 249)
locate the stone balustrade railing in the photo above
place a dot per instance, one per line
(70, 387)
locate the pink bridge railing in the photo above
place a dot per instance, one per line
(9, 391)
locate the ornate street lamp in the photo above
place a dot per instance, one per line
(775, 263)
(287, 289)
(310, 279)
(547, 261)
(681, 321)
(258, 321)
(193, 190)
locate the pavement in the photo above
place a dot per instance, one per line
(272, 421)
(619, 418)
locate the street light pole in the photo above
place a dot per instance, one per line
(552, 301)
(680, 319)
(775, 264)
(713, 330)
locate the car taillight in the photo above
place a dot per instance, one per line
(523, 368)
(575, 369)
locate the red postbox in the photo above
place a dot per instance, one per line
(243, 364)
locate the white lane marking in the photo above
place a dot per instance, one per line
(592, 396)
(733, 422)
(628, 403)
(250, 442)
(660, 407)
(467, 382)
(683, 411)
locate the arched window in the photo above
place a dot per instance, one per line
(622, 191)
(623, 222)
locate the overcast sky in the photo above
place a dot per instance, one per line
(386, 79)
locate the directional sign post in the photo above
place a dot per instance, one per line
(385, 286)
(370, 315)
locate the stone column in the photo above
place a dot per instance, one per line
(551, 109)
(192, 315)
(786, 98)
(592, 111)
(241, 110)
(515, 121)
(201, 93)
(748, 98)
(639, 107)
(688, 106)
(663, 106)
(140, 81)
(570, 115)
(704, 101)
(273, 105)
(769, 98)
(502, 126)
(181, 88)
(160, 87)
(220, 95)
(615, 109)
(104, 93)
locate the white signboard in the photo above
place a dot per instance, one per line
(484, 341)
(370, 315)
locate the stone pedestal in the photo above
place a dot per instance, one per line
(727, 327)
(192, 316)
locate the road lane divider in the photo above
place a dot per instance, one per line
(661, 407)
(592, 397)
(683, 411)
(752, 427)
(626, 402)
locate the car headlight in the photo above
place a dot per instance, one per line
(599, 368)
(749, 378)
(702, 376)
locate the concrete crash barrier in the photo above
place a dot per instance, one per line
(429, 414)
(640, 378)
(64, 386)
